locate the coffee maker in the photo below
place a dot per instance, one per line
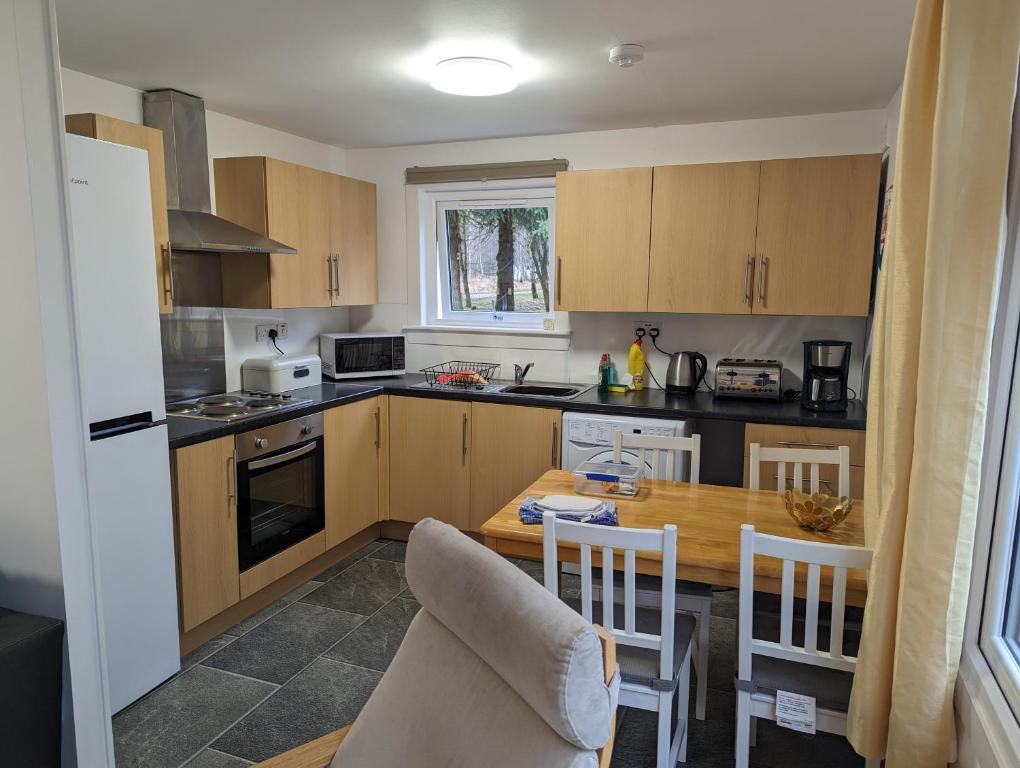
(826, 369)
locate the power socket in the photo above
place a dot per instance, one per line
(643, 325)
(262, 331)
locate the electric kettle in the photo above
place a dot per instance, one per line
(685, 373)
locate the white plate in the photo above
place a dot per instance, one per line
(565, 503)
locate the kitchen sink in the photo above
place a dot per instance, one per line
(543, 390)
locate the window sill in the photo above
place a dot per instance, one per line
(506, 338)
(989, 728)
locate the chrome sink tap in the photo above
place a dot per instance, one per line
(520, 373)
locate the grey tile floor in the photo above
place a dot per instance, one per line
(306, 664)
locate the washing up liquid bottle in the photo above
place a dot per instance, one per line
(603, 378)
(636, 365)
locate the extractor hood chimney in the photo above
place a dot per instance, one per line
(193, 227)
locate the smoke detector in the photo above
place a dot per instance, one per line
(626, 54)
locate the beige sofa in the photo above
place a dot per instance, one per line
(494, 671)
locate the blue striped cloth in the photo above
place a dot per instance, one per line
(604, 514)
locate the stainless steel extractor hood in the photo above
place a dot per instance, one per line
(193, 227)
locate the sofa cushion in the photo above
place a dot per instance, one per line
(640, 666)
(543, 650)
(440, 704)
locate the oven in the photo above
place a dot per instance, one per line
(280, 487)
(359, 355)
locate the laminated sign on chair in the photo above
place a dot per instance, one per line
(795, 711)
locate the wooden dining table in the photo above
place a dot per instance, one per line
(707, 519)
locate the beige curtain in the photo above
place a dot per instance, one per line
(929, 374)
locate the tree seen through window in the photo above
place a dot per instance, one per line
(499, 259)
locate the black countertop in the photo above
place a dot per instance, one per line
(649, 402)
(184, 431)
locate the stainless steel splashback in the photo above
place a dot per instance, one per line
(193, 352)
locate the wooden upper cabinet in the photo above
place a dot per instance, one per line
(816, 235)
(205, 496)
(282, 202)
(602, 236)
(511, 447)
(150, 139)
(314, 204)
(353, 242)
(430, 460)
(353, 445)
(318, 213)
(702, 243)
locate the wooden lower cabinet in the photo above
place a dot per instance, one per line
(353, 444)
(776, 435)
(205, 508)
(430, 460)
(511, 447)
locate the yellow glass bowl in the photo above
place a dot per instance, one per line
(817, 511)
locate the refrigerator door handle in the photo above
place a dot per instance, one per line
(122, 425)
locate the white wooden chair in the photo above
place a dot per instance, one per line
(653, 647)
(691, 596)
(659, 446)
(823, 671)
(799, 457)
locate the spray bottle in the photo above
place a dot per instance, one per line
(636, 365)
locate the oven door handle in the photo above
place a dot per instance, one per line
(282, 458)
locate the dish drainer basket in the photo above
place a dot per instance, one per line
(458, 373)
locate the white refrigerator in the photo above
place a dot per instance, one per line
(121, 372)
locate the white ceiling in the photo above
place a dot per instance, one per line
(355, 74)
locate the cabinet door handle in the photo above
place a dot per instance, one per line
(329, 270)
(463, 438)
(795, 444)
(559, 281)
(231, 484)
(762, 280)
(336, 266)
(378, 429)
(168, 271)
(748, 267)
(555, 443)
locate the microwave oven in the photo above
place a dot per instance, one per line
(360, 355)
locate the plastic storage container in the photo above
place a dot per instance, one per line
(606, 478)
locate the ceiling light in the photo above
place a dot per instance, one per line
(473, 76)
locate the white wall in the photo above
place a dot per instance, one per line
(30, 576)
(46, 553)
(228, 137)
(303, 329)
(593, 333)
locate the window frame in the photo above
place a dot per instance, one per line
(993, 641)
(435, 286)
(997, 539)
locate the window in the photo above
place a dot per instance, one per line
(999, 637)
(488, 255)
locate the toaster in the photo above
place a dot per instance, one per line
(749, 377)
